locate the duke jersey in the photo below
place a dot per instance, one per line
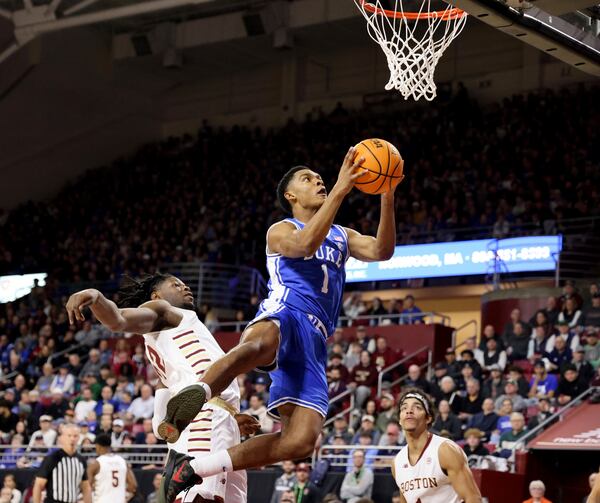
(425, 482)
(181, 355)
(110, 483)
(313, 285)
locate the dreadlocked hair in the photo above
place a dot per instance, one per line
(134, 292)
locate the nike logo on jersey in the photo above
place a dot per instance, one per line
(177, 473)
(329, 254)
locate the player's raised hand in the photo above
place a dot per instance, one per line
(351, 170)
(78, 301)
(247, 424)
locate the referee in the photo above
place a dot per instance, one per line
(63, 472)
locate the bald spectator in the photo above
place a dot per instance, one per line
(509, 439)
(472, 402)
(416, 380)
(486, 420)
(447, 421)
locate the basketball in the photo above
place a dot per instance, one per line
(383, 163)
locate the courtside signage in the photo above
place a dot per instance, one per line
(17, 286)
(461, 258)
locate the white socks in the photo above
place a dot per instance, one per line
(161, 398)
(218, 462)
(207, 390)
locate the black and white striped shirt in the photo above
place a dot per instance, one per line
(64, 475)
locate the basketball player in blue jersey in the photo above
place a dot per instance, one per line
(306, 257)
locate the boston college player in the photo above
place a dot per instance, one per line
(180, 348)
(430, 469)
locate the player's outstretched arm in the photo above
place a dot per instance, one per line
(369, 248)
(454, 462)
(149, 317)
(284, 238)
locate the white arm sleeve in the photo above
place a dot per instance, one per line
(161, 398)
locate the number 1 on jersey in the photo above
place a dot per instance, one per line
(324, 288)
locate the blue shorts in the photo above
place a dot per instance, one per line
(300, 373)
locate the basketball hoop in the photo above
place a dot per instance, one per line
(413, 42)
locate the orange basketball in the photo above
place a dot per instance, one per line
(384, 164)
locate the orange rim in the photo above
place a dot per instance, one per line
(444, 15)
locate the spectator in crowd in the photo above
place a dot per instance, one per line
(287, 497)
(592, 349)
(393, 437)
(570, 314)
(491, 355)
(591, 315)
(261, 384)
(536, 491)
(106, 398)
(338, 338)
(93, 364)
(44, 383)
(551, 311)
(84, 405)
(515, 373)
(509, 439)
(493, 386)
(416, 380)
(153, 496)
(85, 433)
(472, 402)
(449, 393)
(542, 384)
(570, 385)
(366, 343)
(304, 490)
(489, 332)
(538, 344)
(570, 292)
(517, 342)
(354, 307)
(363, 378)
(447, 421)
(376, 309)
(511, 392)
(453, 366)
(259, 411)
(504, 412)
(383, 356)
(11, 455)
(473, 445)
(335, 387)
(285, 482)
(584, 368)
(509, 327)
(367, 427)
(352, 358)
(358, 483)
(567, 334)
(46, 432)
(543, 413)
(540, 320)
(118, 434)
(105, 425)
(8, 420)
(560, 356)
(88, 335)
(143, 406)
(63, 381)
(393, 311)
(388, 412)
(486, 420)
(340, 428)
(410, 313)
(10, 483)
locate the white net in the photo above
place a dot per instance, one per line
(413, 42)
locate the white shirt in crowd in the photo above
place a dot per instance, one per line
(83, 408)
(49, 437)
(141, 408)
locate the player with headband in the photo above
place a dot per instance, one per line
(430, 469)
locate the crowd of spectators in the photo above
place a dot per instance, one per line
(212, 196)
(488, 393)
